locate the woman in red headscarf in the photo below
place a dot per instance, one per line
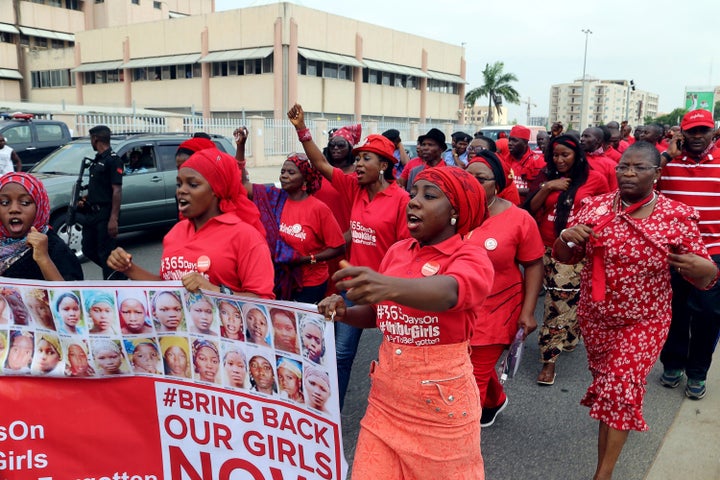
(512, 239)
(28, 247)
(212, 248)
(302, 232)
(423, 415)
(377, 215)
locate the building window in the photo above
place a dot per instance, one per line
(157, 5)
(102, 76)
(52, 78)
(136, 2)
(232, 68)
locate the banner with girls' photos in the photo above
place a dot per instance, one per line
(146, 381)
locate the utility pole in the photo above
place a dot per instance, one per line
(587, 33)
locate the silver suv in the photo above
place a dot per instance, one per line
(148, 199)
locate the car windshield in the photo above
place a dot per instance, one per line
(494, 133)
(65, 160)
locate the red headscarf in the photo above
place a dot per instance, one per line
(464, 192)
(222, 173)
(351, 133)
(313, 178)
(38, 193)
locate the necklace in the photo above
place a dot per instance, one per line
(652, 199)
(491, 203)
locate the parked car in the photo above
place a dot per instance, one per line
(148, 198)
(33, 139)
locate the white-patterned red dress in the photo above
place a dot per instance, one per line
(625, 332)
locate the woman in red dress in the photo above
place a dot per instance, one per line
(630, 238)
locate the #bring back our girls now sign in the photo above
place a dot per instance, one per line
(145, 381)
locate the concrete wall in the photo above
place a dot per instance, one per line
(10, 90)
(36, 15)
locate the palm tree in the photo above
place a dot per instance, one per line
(496, 85)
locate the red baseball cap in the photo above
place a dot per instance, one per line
(378, 145)
(697, 118)
(518, 131)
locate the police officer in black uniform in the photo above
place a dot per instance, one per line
(102, 204)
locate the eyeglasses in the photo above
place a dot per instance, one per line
(484, 180)
(475, 149)
(635, 168)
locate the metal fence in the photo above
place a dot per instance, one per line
(121, 123)
(280, 137)
(221, 126)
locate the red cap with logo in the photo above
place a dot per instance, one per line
(518, 131)
(697, 118)
(379, 145)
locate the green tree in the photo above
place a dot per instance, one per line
(496, 86)
(672, 118)
(716, 111)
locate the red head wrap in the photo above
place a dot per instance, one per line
(464, 192)
(313, 178)
(351, 133)
(38, 193)
(222, 173)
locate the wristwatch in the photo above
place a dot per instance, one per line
(226, 290)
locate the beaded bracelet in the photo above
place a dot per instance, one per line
(304, 135)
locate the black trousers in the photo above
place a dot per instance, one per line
(694, 329)
(96, 243)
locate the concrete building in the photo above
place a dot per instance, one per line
(185, 58)
(477, 115)
(601, 101)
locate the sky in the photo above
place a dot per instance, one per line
(664, 46)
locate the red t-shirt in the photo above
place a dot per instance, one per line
(595, 185)
(376, 224)
(697, 184)
(468, 264)
(239, 255)
(604, 166)
(412, 163)
(309, 227)
(510, 237)
(613, 154)
(624, 144)
(338, 206)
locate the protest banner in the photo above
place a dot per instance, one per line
(144, 381)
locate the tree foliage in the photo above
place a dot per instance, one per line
(672, 118)
(496, 86)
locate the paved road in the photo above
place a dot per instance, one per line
(543, 434)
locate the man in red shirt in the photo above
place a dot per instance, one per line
(591, 142)
(653, 133)
(612, 146)
(692, 176)
(525, 163)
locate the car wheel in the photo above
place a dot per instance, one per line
(71, 236)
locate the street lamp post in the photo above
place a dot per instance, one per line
(587, 33)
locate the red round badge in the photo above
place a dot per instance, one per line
(430, 269)
(203, 263)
